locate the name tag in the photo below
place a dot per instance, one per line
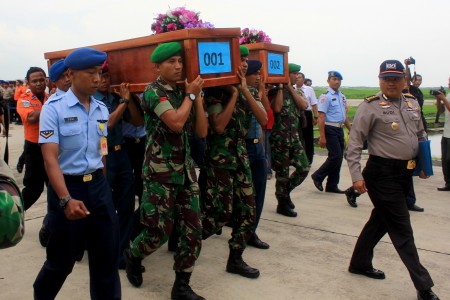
(71, 119)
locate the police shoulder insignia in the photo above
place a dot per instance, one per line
(371, 98)
(47, 133)
(408, 95)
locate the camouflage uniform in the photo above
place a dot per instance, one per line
(170, 200)
(229, 185)
(287, 149)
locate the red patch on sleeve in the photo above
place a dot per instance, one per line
(162, 99)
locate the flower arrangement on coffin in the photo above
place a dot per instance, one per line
(178, 18)
(251, 36)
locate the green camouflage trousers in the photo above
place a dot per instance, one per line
(287, 152)
(229, 198)
(166, 207)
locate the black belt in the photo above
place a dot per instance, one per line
(132, 140)
(115, 148)
(395, 163)
(252, 141)
(83, 178)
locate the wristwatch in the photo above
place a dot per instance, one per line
(191, 96)
(63, 201)
(123, 100)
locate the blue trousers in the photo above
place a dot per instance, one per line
(100, 230)
(332, 166)
(259, 176)
(120, 178)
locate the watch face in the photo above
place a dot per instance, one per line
(192, 96)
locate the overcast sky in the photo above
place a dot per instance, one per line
(351, 36)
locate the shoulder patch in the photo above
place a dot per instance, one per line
(46, 133)
(371, 98)
(408, 95)
(26, 103)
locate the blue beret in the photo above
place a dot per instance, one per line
(244, 51)
(391, 68)
(253, 66)
(165, 51)
(294, 68)
(56, 70)
(335, 74)
(84, 58)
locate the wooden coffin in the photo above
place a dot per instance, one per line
(211, 53)
(274, 59)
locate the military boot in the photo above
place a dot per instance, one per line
(237, 265)
(181, 289)
(133, 268)
(284, 209)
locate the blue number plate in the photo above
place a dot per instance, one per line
(214, 57)
(275, 64)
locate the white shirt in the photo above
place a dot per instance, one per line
(447, 121)
(310, 96)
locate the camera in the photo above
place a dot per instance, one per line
(436, 91)
(410, 61)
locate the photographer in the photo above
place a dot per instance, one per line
(443, 104)
(413, 88)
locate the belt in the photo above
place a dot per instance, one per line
(252, 141)
(395, 163)
(335, 124)
(83, 178)
(132, 140)
(115, 148)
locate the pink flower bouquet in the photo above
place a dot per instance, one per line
(178, 18)
(251, 36)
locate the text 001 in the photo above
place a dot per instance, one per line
(214, 57)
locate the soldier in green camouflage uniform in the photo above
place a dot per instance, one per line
(170, 199)
(285, 142)
(229, 185)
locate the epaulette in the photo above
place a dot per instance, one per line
(408, 95)
(53, 98)
(101, 103)
(371, 98)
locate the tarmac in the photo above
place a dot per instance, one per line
(308, 256)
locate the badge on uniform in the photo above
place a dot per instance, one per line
(71, 119)
(394, 126)
(384, 104)
(26, 103)
(323, 99)
(46, 133)
(162, 99)
(103, 141)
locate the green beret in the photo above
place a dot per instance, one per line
(165, 51)
(244, 51)
(294, 68)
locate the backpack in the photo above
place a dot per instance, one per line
(12, 218)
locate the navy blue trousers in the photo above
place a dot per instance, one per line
(100, 230)
(121, 180)
(258, 166)
(332, 166)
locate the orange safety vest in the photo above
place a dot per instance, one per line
(25, 105)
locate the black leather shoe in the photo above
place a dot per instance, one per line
(257, 243)
(415, 208)
(444, 189)
(351, 197)
(284, 210)
(317, 184)
(427, 295)
(371, 273)
(19, 167)
(334, 190)
(133, 268)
